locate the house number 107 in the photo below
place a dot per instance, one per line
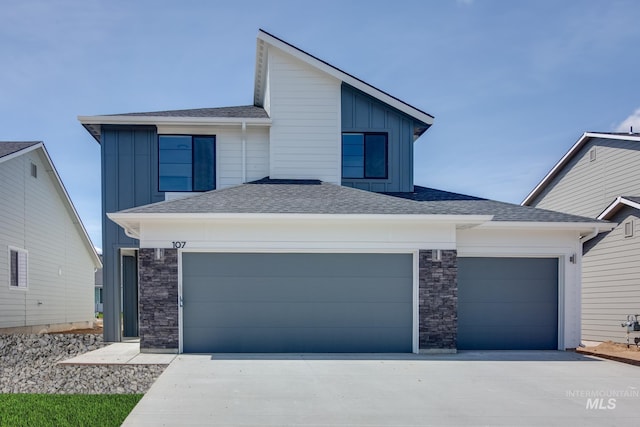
(178, 245)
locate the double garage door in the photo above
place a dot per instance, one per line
(337, 302)
(297, 302)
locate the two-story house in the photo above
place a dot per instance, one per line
(599, 177)
(302, 230)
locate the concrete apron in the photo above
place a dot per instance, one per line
(468, 388)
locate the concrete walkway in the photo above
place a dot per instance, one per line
(470, 388)
(120, 353)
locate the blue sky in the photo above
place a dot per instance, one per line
(512, 84)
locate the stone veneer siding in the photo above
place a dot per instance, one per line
(438, 301)
(158, 300)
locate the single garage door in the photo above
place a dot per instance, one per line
(507, 303)
(286, 302)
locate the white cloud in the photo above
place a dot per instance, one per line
(632, 120)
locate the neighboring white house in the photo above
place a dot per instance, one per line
(47, 260)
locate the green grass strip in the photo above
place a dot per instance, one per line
(103, 410)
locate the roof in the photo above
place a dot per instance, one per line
(460, 204)
(260, 76)
(11, 147)
(570, 154)
(269, 196)
(9, 150)
(617, 204)
(215, 115)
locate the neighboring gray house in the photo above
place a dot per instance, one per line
(47, 260)
(599, 177)
(294, 225)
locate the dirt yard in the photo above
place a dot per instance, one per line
(614, 351)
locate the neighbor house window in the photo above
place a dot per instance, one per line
(18, 267)
(186, 163)
(364, 155)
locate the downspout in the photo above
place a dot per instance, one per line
(590, 236)
(244, 152)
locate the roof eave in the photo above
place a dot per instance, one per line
(93, 123)
(582, 227)
(337, 73)
(130, 222)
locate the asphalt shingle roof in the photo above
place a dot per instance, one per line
(315, 197)
(10, 147)
(242, 111)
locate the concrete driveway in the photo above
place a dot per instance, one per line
(466, 389)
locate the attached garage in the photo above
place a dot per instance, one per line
(507, 303)
(297, 302)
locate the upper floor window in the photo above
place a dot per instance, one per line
(18, 267)
(364, 155)
(186, 163)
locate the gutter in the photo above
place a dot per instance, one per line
(594, 233)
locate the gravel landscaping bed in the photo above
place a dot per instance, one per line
(28, 365)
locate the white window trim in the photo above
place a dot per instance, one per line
(26, 268)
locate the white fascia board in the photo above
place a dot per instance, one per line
(613, 207)
(582, 227)
(77, 221)
(131, 221)
(444, 219)
(347, 78)
(21, 152)
(156, 120)
(568, 156)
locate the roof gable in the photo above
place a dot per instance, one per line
(265, 40)
(582, 141)
(11, 149)
(617, 204)
(21, 148)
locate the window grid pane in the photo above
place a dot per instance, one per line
(364, 156)
(186, 163)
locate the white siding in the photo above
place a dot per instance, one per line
(33, 216)
(610, 289)
(586, 187)
(305, 110)
(229, 151)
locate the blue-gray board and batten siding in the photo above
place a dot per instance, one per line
(297, 302)
(129, 179)
(363, 113)
(507, 303)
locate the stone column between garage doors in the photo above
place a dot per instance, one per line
(438, 301)
(158, 300)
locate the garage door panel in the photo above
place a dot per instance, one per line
(518, 314)
(293, 340)
(304, 315)
(294, 289)
(507, 337)
(238, 302)
(523, 290)
(507, 303)
(298, 264)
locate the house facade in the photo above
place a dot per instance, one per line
(48, 261)
(599, 177)
(294, 225)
